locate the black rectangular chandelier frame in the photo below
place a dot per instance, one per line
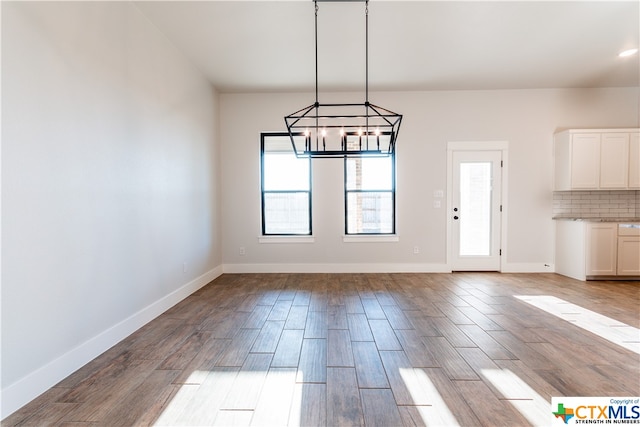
(323, 130)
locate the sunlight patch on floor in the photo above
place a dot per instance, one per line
(616, 332)
(520, 395)
(422, 388)
(215, 398)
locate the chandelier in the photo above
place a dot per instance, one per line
(343, 130)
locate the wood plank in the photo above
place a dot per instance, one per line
(369, 369)
(287, 352)
(276, 398)
(257, 317)
(316, 326)
(343, 398)
(297, 318)
(352, 304)
(337, 317)
(246, 388)
(379, 408)
(232, 417)
(373, 309)
(238, 349)
(396, 317)
(312, 409)
(359, 327)
(226, 323)
(479, 397)
(405, 384)
(312, 367)
(199, 404)
(339, 351)
(415, 349)
(142, 404)
(302, 297)
(384, 336)
(455, 366)
(483, 340)
(318, 301)
(280, 309)
(204, 360)
(186, 352)
(452, 332)
(104, 395)
(267, 339)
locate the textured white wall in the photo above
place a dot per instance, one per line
(526, 119)
(110, 183)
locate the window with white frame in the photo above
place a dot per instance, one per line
(370, 195)
(286, 187)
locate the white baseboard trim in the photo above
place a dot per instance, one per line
(336, 268)
(18, 394)
(528, 267)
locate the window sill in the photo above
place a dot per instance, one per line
(370, 238)
(286, 239)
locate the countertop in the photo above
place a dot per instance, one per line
(625, 220)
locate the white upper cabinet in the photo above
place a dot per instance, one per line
(614, 160)
(597, 159)
(634, 160)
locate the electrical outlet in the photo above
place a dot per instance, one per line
(184, 267)
(242, 251)
(416, 249)
(437, 204)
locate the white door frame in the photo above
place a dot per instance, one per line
(501, 146)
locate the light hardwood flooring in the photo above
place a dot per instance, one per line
(361, 349)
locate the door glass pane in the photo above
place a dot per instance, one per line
(475, 209)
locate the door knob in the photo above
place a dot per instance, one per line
(455, 217)
(455, 209)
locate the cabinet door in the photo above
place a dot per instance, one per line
(585, 161)
(634, 160)
(602, 249)
(614, 160)
(628, 256)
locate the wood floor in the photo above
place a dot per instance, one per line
(361, 349)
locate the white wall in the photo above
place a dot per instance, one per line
(526, 119)
(110, 183)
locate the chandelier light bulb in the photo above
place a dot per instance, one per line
(324, 132)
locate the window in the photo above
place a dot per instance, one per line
(370, 193)
(286, 187)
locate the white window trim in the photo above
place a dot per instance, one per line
(370, 238)
(286, 239)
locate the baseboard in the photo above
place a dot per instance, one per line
(18, 394)
(336, 268)
(528, 267)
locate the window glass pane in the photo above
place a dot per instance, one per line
(370, 173)
(370, 212)
(286, 213)
(475, 209)
(284, 171)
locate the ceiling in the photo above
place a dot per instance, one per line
(268, 46)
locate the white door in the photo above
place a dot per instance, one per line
(475, 215)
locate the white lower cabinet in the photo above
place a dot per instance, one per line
(628, 250)
(602, 248)
(587, 250)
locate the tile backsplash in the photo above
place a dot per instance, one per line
(597, 204)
